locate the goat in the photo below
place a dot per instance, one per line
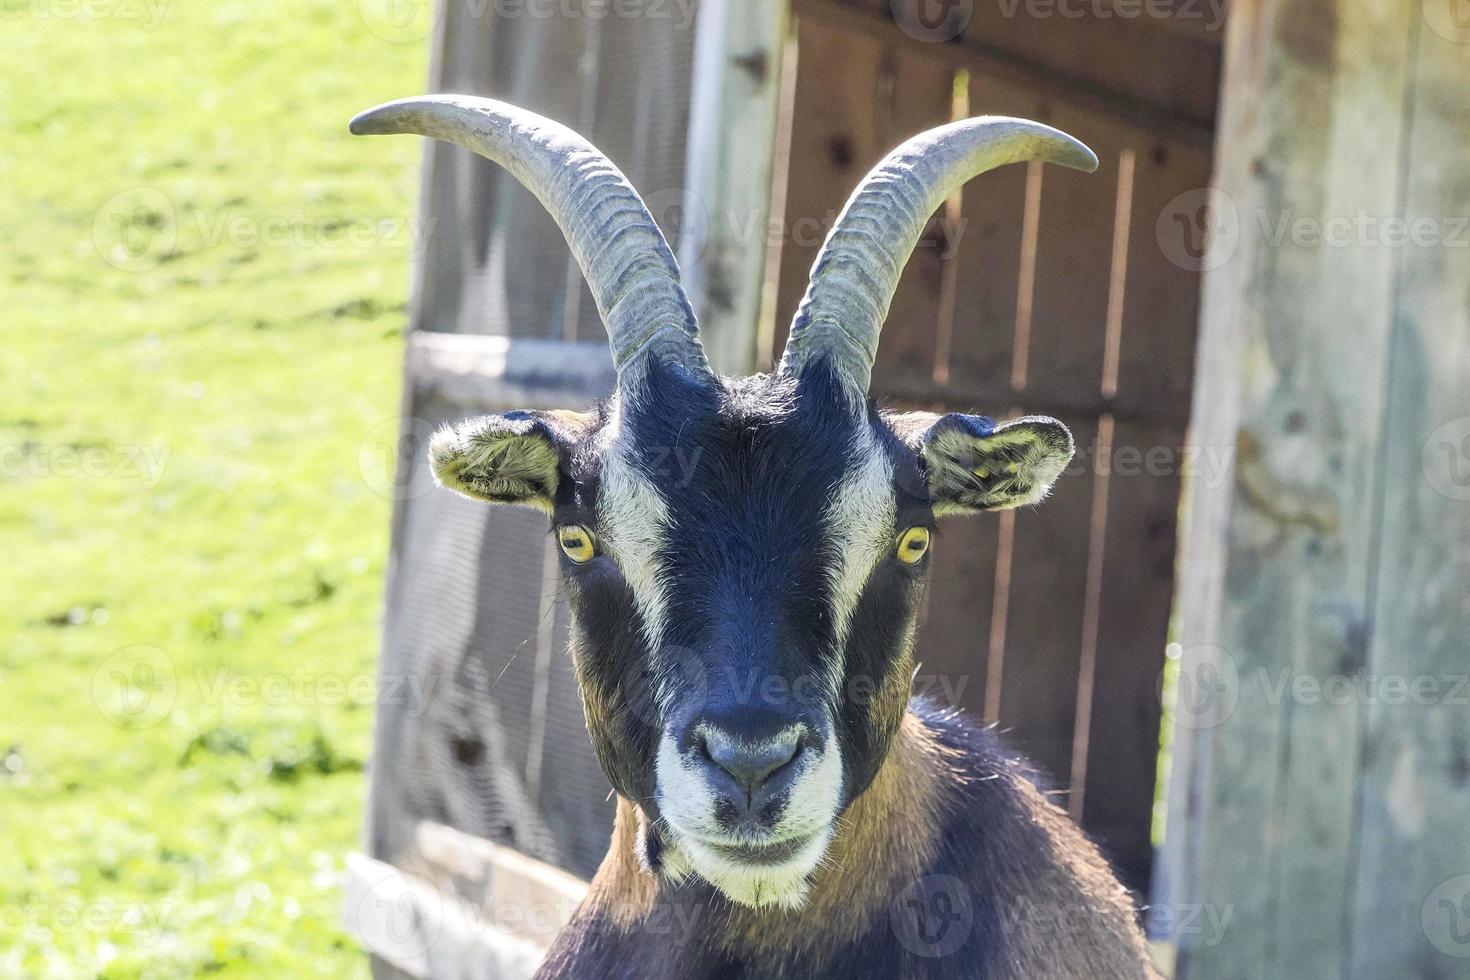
(743, 632)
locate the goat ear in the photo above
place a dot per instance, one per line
(973, 464)
(513, 458)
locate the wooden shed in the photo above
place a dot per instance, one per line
(1273, 430)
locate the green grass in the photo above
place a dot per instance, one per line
(201, 301)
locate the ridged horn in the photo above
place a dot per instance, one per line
(624, 257)
(856, 273)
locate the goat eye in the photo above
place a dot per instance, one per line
(912, 544)
(576, 542)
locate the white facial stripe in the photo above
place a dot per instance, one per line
(861, 520)
(633, 520)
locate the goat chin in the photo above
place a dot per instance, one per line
(783, 885)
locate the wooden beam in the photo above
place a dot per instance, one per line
(457, 906)
(1327, 355)
(491, 373)
(1060, 84)
(724, 234)
(1412, 846)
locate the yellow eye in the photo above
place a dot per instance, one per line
(912, 544)
(576, 542)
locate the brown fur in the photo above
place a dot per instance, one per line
(1068, 916)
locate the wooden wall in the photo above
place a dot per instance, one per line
(1035, 291)
(1321, 792)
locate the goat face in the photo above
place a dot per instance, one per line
(744, 561)
(744, 558)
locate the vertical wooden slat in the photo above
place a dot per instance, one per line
(1000, 608)
(1148, 355)
(1160, 315)
(965, 638)
(914, 94)
(1277, 569)
(633, 121)
(1412, 895)
(1091, 610)
(1038, 699)
(494, 260)
(988, 255)
(1135, 599)
(833, 143)
(1063, 357)
(736, 89)
(1073, 261)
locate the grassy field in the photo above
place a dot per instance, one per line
(203, 289)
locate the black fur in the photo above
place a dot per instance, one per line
(747, 472)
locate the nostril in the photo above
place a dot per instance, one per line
(751, 763)
(700, 747)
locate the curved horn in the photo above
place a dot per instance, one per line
(623, 255)
(857, 271)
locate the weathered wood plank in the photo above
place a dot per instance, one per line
(459, 906)
(952, 643)
(988, 254)
(480, 226)
(1135, 600)
(1097, 52)
(1038, 700)
(732, 122)
(1060, 58)
(834, 141)
(1160, 302)
(1413, 848)
(489, 373)
(1059, 347)
(1276, 572)
(914, 94)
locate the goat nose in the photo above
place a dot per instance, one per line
(751, 763)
